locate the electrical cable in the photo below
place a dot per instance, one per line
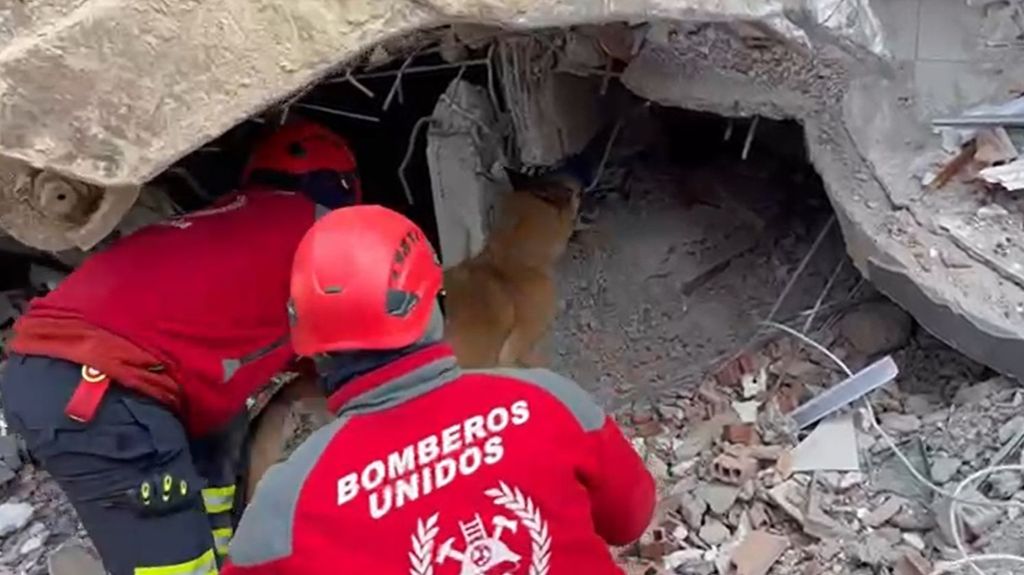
(954, 497)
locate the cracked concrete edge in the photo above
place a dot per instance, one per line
(962, 320)
(112, 92)
(971, 309)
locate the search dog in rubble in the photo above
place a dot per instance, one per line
(499, 305)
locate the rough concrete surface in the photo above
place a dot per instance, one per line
(865, 130)
(112, 92)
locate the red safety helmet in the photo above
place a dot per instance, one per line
(363, 278)
(303, 156)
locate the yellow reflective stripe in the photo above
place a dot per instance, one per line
(205, 564)
(219, 499)
(221, 540)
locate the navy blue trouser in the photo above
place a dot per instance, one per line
(153, 501)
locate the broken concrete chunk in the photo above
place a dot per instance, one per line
(994, 146)
(832, 446)
(6, 474)
(649, 429)
(839, 482)
(692, 509)
(718, 496)
(33, 543)
(1011, 428)
(701, 436)
(978, 519)
(914, 540)
(980, 391)
(677, 559)
(746, 410)
(657, 467)
(754, 383)
(9, 452)
(912, 563)
(914, 517)
(821, 525)
(900, 422)
(1003, 485)
(14, 516)
(758, 515)
(873, 549)
(944, 468)
(73, 559)
(758, 552)
(876, 327)
(884, 512)
(788, 496)
(672, 413)
(891, 474)
(1010, 175)
(919, 405)
(714, 532)
(680, 533)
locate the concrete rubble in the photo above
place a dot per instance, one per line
(788, 509)
(742, 491)
(798, 519)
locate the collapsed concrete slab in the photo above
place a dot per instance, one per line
(111, 93)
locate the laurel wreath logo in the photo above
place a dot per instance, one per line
(421, 557)
(529, 515)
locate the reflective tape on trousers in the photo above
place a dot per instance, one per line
(221, 540)
(219, 499)
(205, 564)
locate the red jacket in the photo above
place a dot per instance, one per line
(205, 295)
(433, 470)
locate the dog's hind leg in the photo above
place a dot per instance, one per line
(534, 298)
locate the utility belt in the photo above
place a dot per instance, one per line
(160, 493)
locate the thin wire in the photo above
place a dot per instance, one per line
(952, 565)
(417, 127)
(955, 525)
(750, 138)
(604, 156)
(954, 497)
(800, 268)
(824, 292)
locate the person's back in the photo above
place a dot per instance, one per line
(129, 382)
(428, 468)
(202, 294)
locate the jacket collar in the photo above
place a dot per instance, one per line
(402, 379)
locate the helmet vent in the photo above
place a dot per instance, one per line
(296, 150)
(399, 303)
(332, 290)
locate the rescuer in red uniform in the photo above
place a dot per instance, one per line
(428, 468)
(125, 378)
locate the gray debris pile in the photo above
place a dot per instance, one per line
(36, 519)
(743, 494)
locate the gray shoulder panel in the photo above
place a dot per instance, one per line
(267, 526)
(588, 413)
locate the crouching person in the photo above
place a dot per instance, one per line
(126, 379)
(430, 469)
